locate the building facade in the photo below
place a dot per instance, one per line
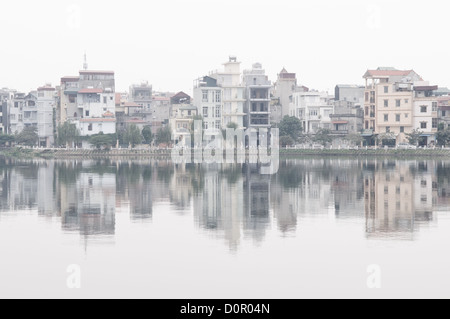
(346, 119)
(350, 93)
(388, 103)
(284, 88)
(257, 93)
(233, 101)
(314, 109)
(208, 100)
(45, 111)
(426, 112)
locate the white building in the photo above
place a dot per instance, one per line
(46, 106)
(209, 103)
(88, 101)
(15, 113)
(425, 112)
(233, 92)
(313, 109)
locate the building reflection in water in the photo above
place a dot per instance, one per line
(392, 198)
(400, 196)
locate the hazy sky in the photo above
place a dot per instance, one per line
(170, 43)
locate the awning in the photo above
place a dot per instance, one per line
(367, 133)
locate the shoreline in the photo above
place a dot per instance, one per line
(24, 153)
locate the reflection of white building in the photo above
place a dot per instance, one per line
(219, 205)
(46, 196)
(88, 205)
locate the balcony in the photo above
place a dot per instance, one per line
(340, 132)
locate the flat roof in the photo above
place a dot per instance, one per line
(97, 72)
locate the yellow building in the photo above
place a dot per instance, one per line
(389, 102)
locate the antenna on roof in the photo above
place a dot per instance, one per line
(85, 65)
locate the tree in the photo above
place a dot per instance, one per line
(286, 141)
(291, 127)
(443, 135)
(164, 135)
(6, 139)
(132, 136)
(67, 134)
(323, 137)
(230, 125)
(147, 135)
(355, 139)
(101, 140)
(29, 136)
(414, 137)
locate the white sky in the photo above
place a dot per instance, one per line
(171, 42)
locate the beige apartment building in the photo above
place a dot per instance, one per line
(389, 103)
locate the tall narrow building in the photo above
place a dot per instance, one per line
(233, 92)
(285, 86)
(46, 108)
(257, 95)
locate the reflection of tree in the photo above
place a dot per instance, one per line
(197, 177)
(232, 174)
(290, 177)
(165, 173)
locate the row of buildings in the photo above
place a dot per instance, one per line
(391, 104)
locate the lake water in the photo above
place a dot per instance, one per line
(151, 229)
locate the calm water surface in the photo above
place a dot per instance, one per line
(152, 229)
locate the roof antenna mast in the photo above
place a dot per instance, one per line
(85, 65)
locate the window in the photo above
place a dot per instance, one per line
(205, 125)
(444, 114)
(72, 98)
(423, 109)
(87, 113)
(423, 125)
(397, 117)
(105, 100)
(205, 96)
(218, 96)
(435, 123)
(367, 111)
(402, 129)
(218, 126)
(313, 113)
(386, 89)
(398, 103)
(90, 127)
(386, 117)
(406, 115)
(205, 112)
(386, 103)
(406, 101)
(218, 111)
(189, 113)
(367, 96)
(254, 107)
(388, 129)
(435, 107)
